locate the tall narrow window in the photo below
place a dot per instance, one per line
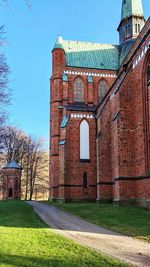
(148, 74)
(102, 89)
(84, 140)
(85, 180)
(78, 90)
(147, 115)
(127, 30)
(139, 28)
(10, 192)
(136, 28)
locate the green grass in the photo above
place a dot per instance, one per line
(25, 241)
(130, 220)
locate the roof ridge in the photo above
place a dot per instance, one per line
(76, 41)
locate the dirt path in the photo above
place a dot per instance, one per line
(116, 245)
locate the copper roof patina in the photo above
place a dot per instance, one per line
(130, 8)
(89, 55)
(94, 55)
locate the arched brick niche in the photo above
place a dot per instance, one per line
(146, 94)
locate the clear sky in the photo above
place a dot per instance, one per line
(31, 34)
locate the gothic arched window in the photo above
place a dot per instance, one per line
(102, 89)
(85, 180)
(84, 140)
(78, 90)
(147, 114)
(148, 74)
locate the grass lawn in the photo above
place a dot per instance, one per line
(130, 220)
(25, 241)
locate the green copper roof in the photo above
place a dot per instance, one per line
(131, 7)
(64, 121)
(89, 55)
(65, 77)
(90, 79)
(58, 43)
(62, 142)
(93, 55)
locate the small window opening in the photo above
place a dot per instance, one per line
(139, 28)
(127, 30)
(85, 180)
(10, 194)
(136, 28)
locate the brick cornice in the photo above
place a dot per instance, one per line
(130, 178)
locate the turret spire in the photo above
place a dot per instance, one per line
(132, 20)
(131, 8)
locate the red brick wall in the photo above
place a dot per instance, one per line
(75, 168)
(65, 166)
(9, 181)
(56, 97)
(122, 140)
(121, 154)
(143, 189)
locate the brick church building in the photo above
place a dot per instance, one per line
(100, 115)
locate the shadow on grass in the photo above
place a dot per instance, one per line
(22, 261)
(55, 261)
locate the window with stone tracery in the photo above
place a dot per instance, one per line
(102, 89)
(78, 90)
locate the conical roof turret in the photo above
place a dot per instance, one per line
(58, 43)
(12, 165)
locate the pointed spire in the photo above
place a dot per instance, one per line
(131, 8)
(58, 43)
(132, 20)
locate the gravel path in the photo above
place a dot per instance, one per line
(116, 245)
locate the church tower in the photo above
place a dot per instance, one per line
(132, 20)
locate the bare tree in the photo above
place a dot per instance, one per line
(32, 162)
(42, 179)
(12, 143)
(4, 72)
(30, 153)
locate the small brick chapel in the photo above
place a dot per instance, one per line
(10, 182)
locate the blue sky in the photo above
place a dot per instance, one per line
(31, 34)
